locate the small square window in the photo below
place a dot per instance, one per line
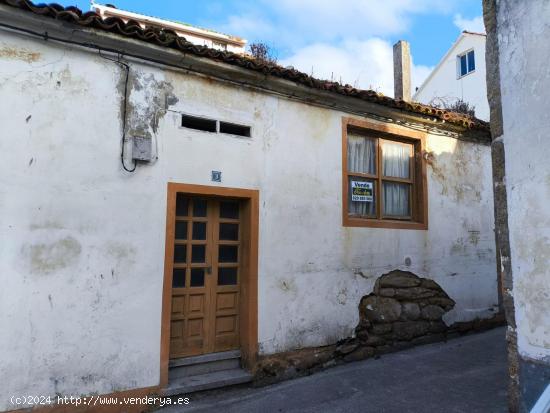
(466, 63)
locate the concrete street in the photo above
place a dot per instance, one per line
(467, 374)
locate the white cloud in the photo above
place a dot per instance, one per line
(328, 19)
(367, 64)
(290, 24)
(340, 40)
(418, 75)
(471, 25)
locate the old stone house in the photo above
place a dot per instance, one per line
(169, 209)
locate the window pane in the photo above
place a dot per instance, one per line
(178, 278)
(471, 61)
(197, 277)
(229, 232)
(180, 253)
(227, 276)
(229, 209)
(361, 154)
(182, 205)
(396, 199)
(198, 253)
(463, 69)
(228, 253)
(396, 159)
(199, 230)
(361, 196)
(181, 230)
(199, 207)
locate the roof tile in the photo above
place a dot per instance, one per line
(168, 38)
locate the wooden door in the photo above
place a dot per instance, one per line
(206, 276)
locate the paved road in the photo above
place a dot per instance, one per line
(467, 375)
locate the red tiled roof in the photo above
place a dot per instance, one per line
(168, 38)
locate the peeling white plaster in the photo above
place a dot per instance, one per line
(525, 81)
(91, 323)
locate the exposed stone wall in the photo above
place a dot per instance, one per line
(502, 238)
(403, 311)
(402, 308)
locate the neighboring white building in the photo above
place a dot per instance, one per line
(460, 75)
(518, 52)
(264, 206)
(195, 35)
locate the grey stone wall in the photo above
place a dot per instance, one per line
(403, 311)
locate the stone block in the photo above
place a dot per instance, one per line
(444, 302)
(438, 327)
(386, 292)
(362, 335)
(414, 293)
(375, 341)
(381, 309)
(399, 279)
(410, 311)
(407, 330)
(432, 312)
(347, 348)
(360, 354)
(381, 329)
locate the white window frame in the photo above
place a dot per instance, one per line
(458, 58)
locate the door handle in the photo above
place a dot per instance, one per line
(209, 270)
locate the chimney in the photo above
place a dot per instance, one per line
(402, 71)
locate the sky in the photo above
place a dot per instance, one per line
(343, 40)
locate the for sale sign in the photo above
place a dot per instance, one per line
(361, 191)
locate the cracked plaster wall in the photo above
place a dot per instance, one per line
(525, 79)
(82, 253)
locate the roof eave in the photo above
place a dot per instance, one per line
(125, 14)
(175, 59)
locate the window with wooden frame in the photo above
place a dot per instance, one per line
(384, 176)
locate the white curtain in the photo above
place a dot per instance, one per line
(361, 154)
(396, 159)
(361, 159)
(396, 199)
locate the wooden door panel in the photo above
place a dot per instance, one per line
(227, 333)
(227, 302)
(196, 305)
(205, 289)
(178, 307)
(226, 324)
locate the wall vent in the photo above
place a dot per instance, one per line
(212, 125)
(194, 122)
(234, 129)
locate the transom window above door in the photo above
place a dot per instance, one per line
(384, 181)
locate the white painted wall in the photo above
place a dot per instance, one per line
(82, 242)
(525, 80)
(444, 83)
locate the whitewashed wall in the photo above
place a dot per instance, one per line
(472, 88)
(525, 80)
(82, 241)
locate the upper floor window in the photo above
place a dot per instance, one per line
(384, 181)
(466, 63)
